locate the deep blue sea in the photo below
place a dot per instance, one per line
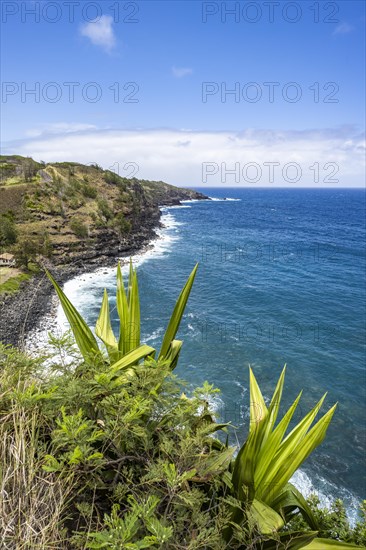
(281, 280)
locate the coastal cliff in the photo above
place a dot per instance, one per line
(71, 218)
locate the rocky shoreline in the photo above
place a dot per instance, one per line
(22, 313)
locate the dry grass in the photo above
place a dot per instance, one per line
(8, 273)
(32, 502)
(11, 197)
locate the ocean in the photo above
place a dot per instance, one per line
(281, 280)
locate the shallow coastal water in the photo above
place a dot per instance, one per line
(281, 280)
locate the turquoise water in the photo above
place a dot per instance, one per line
(281, 280)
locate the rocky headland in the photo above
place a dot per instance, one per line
(72, 219)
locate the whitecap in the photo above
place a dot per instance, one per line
(175, 206)
(195, 200)
(224, 199)
(154, 335)
(327, 492)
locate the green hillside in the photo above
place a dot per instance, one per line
(67, 211)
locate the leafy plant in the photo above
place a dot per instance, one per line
(89, 191)
(267, 461)
(111, 177)
(8, 231)
(79, 228)
(104, 209)
(108, 451)
(126, 351)
(122, 225)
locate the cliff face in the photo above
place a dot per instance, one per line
(161, 193)
(82, 213)
(74, 218)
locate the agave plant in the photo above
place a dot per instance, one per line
(268, 460)
(126, 351)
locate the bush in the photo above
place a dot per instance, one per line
(334, 523)
(75, 184)
(76, 202)
(29, 247)
(104, 209)
(111, 177)
(89, 191)
(122, 225)
(79, 228)
(93, 461)
(107, 461)
(8, 232)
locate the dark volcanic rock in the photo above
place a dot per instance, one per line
(20, 313)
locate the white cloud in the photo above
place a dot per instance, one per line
(59, 128)
(343, 28)
(100, 32)
(180, 72)
(160, 155)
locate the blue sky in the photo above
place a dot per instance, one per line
(295, 69)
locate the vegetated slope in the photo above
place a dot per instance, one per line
(159, 192)
(81, 212)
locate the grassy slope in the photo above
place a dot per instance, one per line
(77, 205)
(84, 211)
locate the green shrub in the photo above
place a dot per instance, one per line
(76, 202)
(111, 177)
(76, 184)
(8, 232)
(89, 191)
(69, 191)
(13, 284)
(104, 209)
(122, 225)
(79, 228)
(6, 167)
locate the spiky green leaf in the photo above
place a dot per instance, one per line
(84, 337)
(122, 308)
(172, 355)
(132, 358)
(267, 520)
(288, 541)
(103, 329)
(134, 312)
(289, 500)
(268, 451)
(328, 544)
(177, 314)
(290, 463)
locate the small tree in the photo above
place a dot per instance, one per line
(8, 232)
(30, 169)
(28, 248)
